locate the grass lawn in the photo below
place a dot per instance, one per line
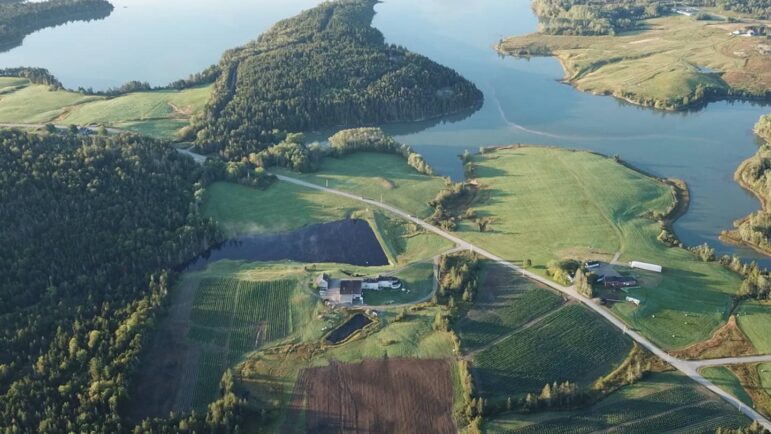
(659, 403)
(755, 321)
(549, 203)
(726, 380)
(661, 65)
(572, 344)
(378, 175)
(417, 279)
(37, 104)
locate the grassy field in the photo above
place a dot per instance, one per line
(549, 203)
(378, 176)
(538, 355)
(417, 279)
(660, 403)
(156, 113)
(504, 303)
(755, 320)
(725, 379)
(661, 66)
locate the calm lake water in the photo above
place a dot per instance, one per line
(341, 242)
(525, 102)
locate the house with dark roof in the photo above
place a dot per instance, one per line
(347, 291)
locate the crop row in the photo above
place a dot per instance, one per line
(214, 302)
(211, 366)
(491, 323)
(538, 355)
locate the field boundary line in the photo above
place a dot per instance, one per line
(688, 368)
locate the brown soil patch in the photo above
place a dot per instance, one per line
(727, 341)
(181, 111)
(375, 396)
(385, 183)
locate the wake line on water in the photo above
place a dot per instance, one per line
(515, 126)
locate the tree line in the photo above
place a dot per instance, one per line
(588, 17)
(324, 68)
(91, 229)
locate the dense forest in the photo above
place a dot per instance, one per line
(18, 19)
(324, 68)
(588, 17)
(91, 227)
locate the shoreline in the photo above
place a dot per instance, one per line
(731, 94)
(730, 236)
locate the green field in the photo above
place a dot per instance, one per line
(504, 303)
(570, 345)
(725, 379)
(378, 176)
(157, 113)
(661, 66)
(549, 203)
(755, 321)
(662, 402)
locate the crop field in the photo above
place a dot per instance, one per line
(155, 113)
(538, 355)
(664, 63)
(549, 203)
(376, 175)
(662, 402)
(375, 396)
(230, 318)
(755, 321)
(504, 303)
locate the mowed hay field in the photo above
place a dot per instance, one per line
(755, 321)
(572, 345)
(503, 304)
(663, 63)
(550, 203)
(375, 175)
(660, 403)
(375, 396)
(156, 113)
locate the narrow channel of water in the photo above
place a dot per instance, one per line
(525, 101)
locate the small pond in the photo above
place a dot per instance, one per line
(354, 324)
(345, 242)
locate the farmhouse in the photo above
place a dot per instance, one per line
(619, 282)
(349, 291)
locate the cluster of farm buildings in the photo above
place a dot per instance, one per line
(350, 291)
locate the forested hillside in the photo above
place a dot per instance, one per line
(18, 19)
(324, 68)
(90, 228)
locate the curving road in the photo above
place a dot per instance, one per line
(687, 367)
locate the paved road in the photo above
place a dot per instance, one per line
(689, 368)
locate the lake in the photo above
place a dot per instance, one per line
(524, 100)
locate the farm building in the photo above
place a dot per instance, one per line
(633, 300)
(646, 266)
(619, 282)
(349, 291)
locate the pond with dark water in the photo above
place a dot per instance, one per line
(343, 242)
(354, 324)
(525, 101)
